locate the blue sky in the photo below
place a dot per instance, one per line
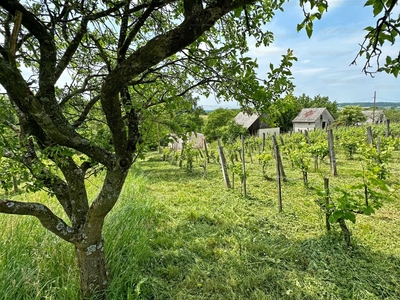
(323, 65)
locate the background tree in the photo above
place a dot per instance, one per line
(283, 111)
(216, 120)
(392, 114)
(232, 131)
(319, 101)
(351, 115)
(85, 79)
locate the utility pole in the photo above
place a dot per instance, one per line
(373, 111)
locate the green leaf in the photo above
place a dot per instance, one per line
(395, 72)
(237, 12)
(322, 8)
(368, 210)
(370, 2)
(309, 29)
(378, 6)
(369, 28)
(335, 216)
(300, 27)
(350, 216)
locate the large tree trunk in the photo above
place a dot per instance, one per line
(93, 270)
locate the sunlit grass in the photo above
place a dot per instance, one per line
(176, 235)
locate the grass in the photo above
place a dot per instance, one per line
(176, 235)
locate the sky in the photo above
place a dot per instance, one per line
(323, 66)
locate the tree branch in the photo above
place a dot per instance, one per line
(80, 90)
(140, 22)
(47, 47)
(72, 47)
(14, 35)
(48, 219)
(59, 131)
(105, 200)
(86, 111)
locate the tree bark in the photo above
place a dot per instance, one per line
(93, 270)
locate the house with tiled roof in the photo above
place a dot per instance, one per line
(312, 118)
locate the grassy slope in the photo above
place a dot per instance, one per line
(175, 235)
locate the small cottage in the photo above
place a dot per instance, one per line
(374, 116)
(312, 118)
(251, 122)
(195, 139)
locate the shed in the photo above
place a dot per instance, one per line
(374, 116)
(251, 122)
(312, 118)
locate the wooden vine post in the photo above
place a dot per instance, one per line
(369, 135)
(378, 145)
(206, 150)
(223, 165)
(181, 156)
(263, 142)
(327, 212)
(243, 169)
(282, 141)
(278, 172)
(306, 136)
(387, 128)
(332, 156)
(279, 158)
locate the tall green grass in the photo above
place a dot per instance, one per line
(34, 263)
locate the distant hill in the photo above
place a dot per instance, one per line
(371, 104)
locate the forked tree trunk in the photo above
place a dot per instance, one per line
(93, 271)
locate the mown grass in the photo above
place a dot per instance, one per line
(176, 235)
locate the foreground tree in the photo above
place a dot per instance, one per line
(84, 78)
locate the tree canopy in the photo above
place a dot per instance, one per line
(351, 115)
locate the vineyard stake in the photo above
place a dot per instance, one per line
(243, 169)
(332, 156)
(223, 165)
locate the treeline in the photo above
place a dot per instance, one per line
(380, 105)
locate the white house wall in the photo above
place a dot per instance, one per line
(269, 131)
(303, 126)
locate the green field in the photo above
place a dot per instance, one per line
(177, 235)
